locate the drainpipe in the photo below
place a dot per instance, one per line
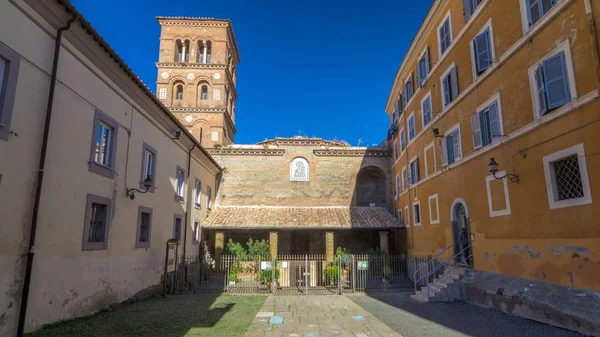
(190, 200)
(589, 11)
(40, 178)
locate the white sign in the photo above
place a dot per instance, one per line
(266, 265)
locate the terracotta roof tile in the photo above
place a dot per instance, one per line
(257, 217)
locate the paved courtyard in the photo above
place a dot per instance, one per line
(315, 316)
(360, 315)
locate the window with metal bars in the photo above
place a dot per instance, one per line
(567, 177)
(145, 227)
(97, 223)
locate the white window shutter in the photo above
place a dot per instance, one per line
(454, 83)
(541, 93)
(495, 122)
(217, 95)
(476, 127)
(444, 148)
(457, 149)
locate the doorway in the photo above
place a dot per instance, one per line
(460, 223)
(300, 242)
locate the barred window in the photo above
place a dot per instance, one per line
(97, 223)
(568, 178)
(97, 216)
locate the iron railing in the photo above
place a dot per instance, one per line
(433, 268)
(295, 274)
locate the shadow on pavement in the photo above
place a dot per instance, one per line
(409, 318)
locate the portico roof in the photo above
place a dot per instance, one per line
(324, 217)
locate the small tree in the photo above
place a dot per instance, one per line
(235, 248)
(258, 247)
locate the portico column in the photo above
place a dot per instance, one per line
(219, 247)
(329, 246)
(273, 236)
(384, 241)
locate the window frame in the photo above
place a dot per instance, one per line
(410, 79)
(425, 149)
(526, 15)
(198, 193)
(412, 181)
(455, 127)
(447, 17)
(415, 223)
(138, 243)
(492, 50)
(427, 96)
(565, 48)
(402, 135)
(8, 89)
(396, 151)
(208, 197)
(488, 181)
(93, 166)
(473, 12)
(148, 148)
(411, 116)
(216, 94)
(398, 186)
(175, 218)
(306, 162)
(426, 57)
(405, 180)
(579, 150)
(162, 93)
(195, 231)
(437, 209)
(495, 99)
(96, 199)
(179, 197)
(447, 73)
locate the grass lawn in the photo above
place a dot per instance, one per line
(206, 315)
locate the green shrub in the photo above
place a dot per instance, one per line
(258, 247)
(267, 275)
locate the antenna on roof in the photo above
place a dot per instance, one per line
(359, 141)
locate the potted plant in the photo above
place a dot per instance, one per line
(232, 279)
(266, 277)
(386, 274)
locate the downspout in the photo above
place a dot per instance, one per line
(190, 200)
(589, 11)
(40, 178)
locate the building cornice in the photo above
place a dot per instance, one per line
(184, 65)
(202, 22)
(208, 110)
(301, 142)
(352, 153)
(246, 152)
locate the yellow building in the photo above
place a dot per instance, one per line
(516, 81)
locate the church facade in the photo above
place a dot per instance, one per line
(304, 195)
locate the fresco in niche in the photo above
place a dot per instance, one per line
(299, 170)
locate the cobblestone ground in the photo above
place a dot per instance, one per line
(411, 319)
(206, 315)
(315, 316)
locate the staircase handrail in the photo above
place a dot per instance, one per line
(439, 266)
(427, 263)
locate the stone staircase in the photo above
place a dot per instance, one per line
(443, 288)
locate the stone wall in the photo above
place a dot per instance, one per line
(258, 179)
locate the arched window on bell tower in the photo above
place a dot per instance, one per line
(178, 91)
(201, 52)
(186, 51)
(178, 51)
(208, 51)
(203, 91)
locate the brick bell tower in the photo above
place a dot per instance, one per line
(197, 76)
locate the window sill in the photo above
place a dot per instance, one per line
(95, 246)
(101, 169)
(197, 206)
(178, 198)
(142, 245)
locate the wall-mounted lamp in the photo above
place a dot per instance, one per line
(436, 132)
(177, 134)
(147, 185)
(493, 168)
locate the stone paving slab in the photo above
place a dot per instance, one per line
(317, 316)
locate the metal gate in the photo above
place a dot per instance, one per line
(294, 274)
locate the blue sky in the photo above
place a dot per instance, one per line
(316, 67)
